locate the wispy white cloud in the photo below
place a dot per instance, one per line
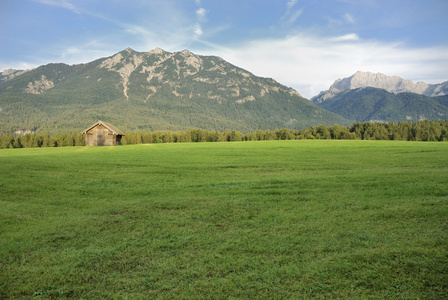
(311, 64)
(349, 18)
(201, 12)
(176, 31)
(347, 37)
(137, 29)
(59, 3)
(360, 2)
(342, 20)
(200, 19)
(85, 52)
(291, 15)
(290, 5)
(197, 30)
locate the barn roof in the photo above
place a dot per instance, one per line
(112, 128)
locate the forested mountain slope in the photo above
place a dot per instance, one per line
(154, 90)
(372, 104)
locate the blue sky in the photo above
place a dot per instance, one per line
(304, 44)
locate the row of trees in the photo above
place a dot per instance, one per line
(406, 131)
(35, 140)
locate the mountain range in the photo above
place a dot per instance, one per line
(365, 97)
(392, 84)
(155, 90)
(160, 90)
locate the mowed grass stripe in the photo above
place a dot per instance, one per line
(277, 219)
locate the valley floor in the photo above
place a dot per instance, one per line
(268, 219)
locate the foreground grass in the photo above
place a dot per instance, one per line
(281, 219)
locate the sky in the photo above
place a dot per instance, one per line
(303, 44)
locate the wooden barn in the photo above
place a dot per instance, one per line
(103, 134)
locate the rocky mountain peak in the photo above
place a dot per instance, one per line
(161, 68)
(186, 53)
(392, 84)
(124, 66)
(11, 73)
(157, 51)
(129, 50)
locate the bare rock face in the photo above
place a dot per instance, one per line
(39, 86)
(174, 69)
(10, 74)
(392, 84)
(435, 90)
(325, 95)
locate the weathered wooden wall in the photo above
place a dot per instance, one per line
(100, 136)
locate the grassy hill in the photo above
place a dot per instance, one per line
(279, 219)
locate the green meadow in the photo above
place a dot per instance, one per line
(275, 219)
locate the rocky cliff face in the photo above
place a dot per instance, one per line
(161, 69)
(39, 86)
(392, 84)
(10, 74)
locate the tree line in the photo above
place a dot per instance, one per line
(404, 131)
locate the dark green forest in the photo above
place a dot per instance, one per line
(404, 131)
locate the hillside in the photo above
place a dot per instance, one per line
(155, 90)
(372, 104)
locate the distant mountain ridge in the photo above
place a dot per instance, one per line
(392, 84)
(369, 104)
(155, 90)
(366, 96)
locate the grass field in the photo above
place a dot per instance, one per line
(279, 219)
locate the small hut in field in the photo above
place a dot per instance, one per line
(103, 134)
